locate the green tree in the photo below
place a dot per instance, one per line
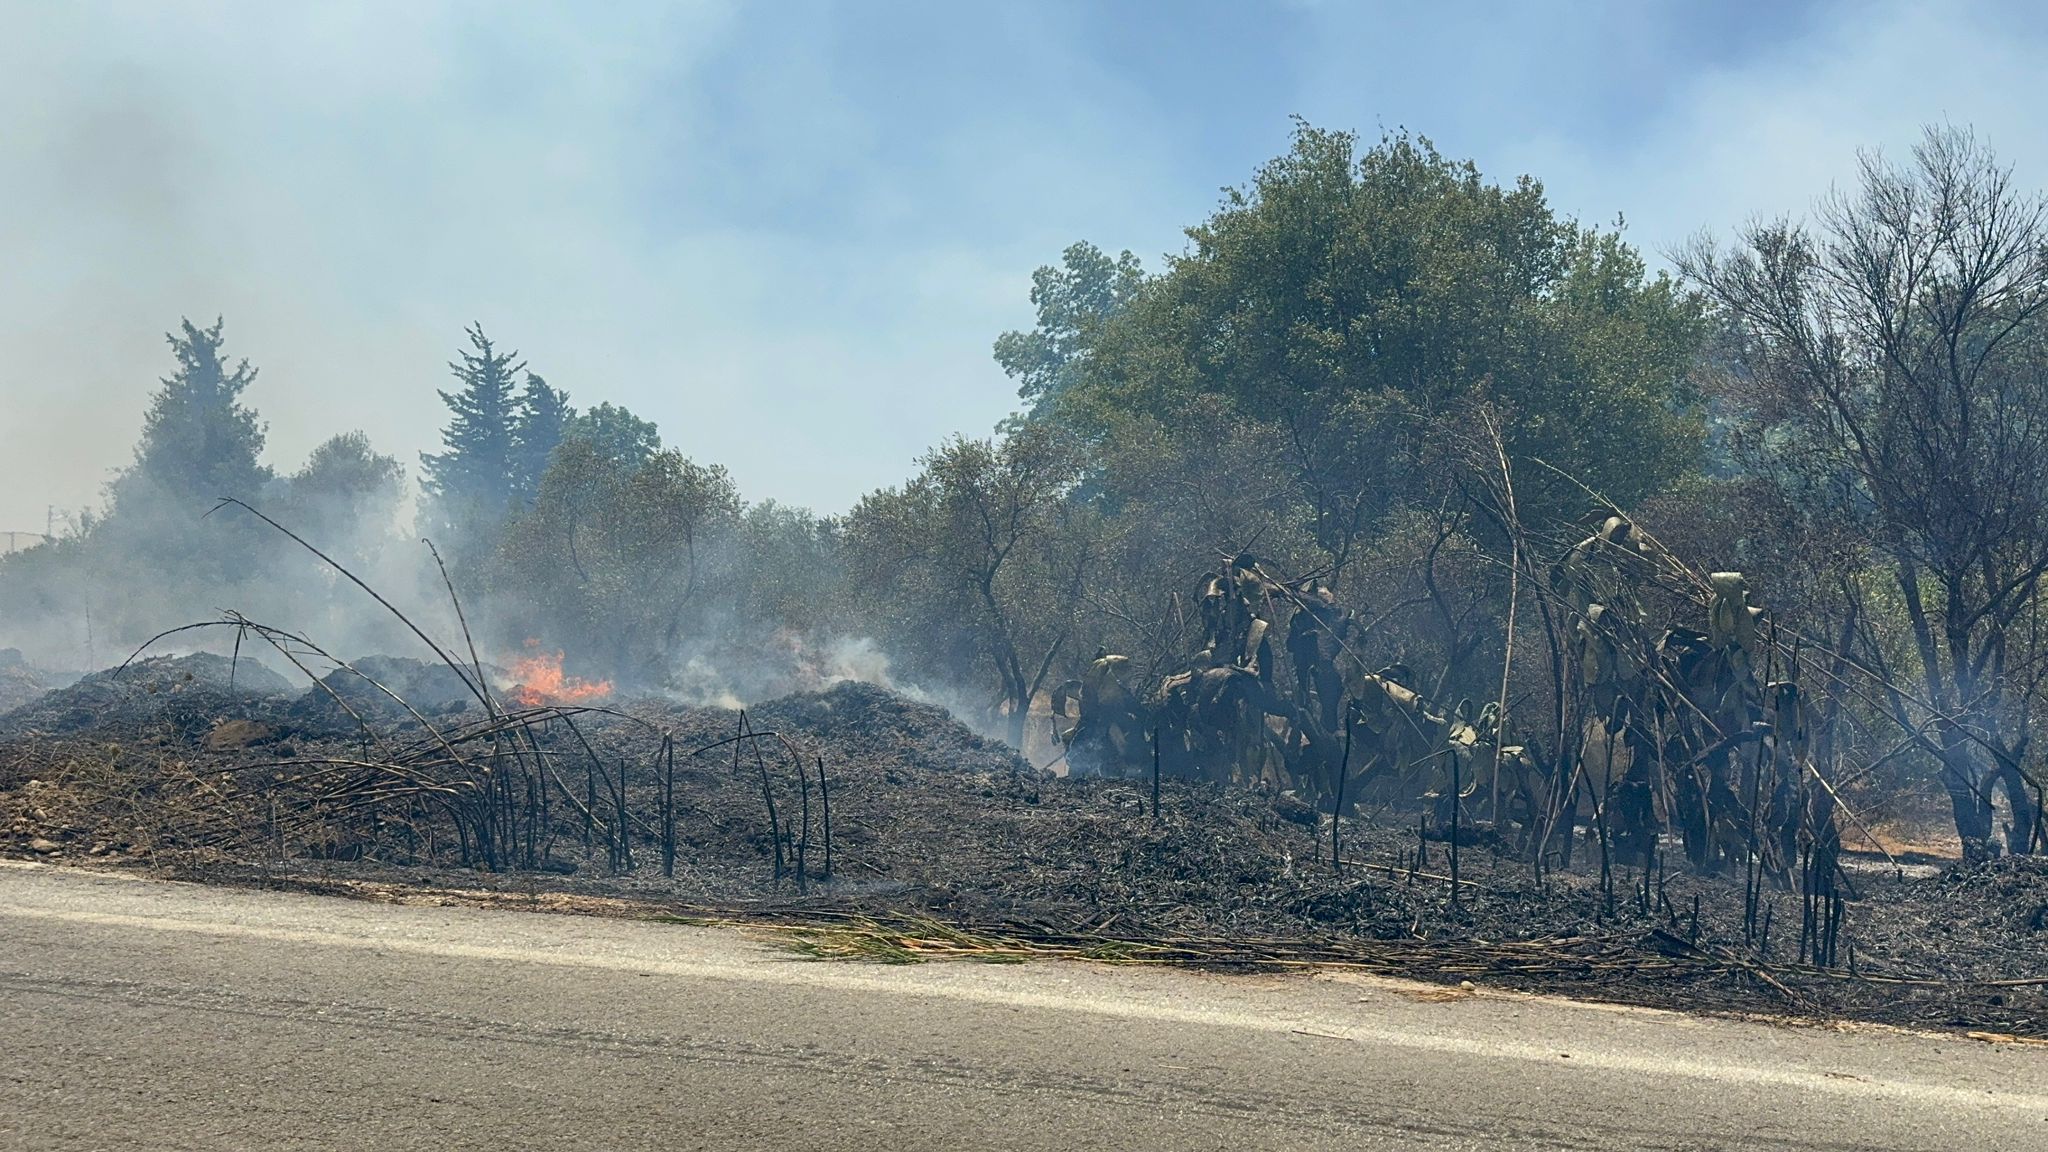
(1177, 496)
(347, 495)
(974, 570)
(617, 434)
(199, 441)
(470, 486)
(1378, 295)
(156, 553)
(786, 569)
(543, 417)
(1073, 301)
(345, 500)
(615, 562)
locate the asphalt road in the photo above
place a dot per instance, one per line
(141, 1014)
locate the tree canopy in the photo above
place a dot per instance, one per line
(617, 434)
(1073, 302)
(1403, 281)
(1375, 386)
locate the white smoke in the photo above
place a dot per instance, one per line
(784, 661)
(735, 675)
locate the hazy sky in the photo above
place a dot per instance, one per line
(788, 232)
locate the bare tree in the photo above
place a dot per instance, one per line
(1892, 366)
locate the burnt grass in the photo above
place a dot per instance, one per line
(170, 769)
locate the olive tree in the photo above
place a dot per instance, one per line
(974, 570)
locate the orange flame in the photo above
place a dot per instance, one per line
(542, 682)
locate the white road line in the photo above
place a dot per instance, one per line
(852, 978)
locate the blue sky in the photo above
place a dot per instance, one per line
(789, 232)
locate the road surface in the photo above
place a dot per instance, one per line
(143, 1014)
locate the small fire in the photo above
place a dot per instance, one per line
(542, 682)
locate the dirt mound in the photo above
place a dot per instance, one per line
(202, 669)
(862, 722)
(432, 689)
(186, 694)
(855, 728)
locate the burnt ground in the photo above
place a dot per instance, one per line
(20, 682)
(167, 767)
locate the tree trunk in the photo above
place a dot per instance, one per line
(2026, 815)
(1020, 711)
(1967, 796)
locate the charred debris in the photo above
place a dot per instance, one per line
(1663, 863)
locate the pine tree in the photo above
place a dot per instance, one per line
(538, 426)
(199, 442)
(472, 483)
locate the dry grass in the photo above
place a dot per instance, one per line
(115, 799)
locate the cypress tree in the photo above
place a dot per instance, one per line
(471, 485)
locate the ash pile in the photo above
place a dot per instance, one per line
(185, 696)
(199, 698)
(21, 683)
(383, 690)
